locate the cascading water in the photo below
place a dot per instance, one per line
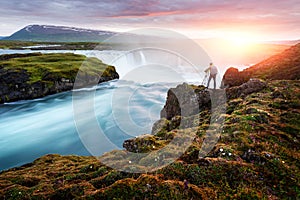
(143, 59)
(30, 129)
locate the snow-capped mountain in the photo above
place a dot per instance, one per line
(49, 33)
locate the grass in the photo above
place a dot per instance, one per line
(35, 75)
(55, 66)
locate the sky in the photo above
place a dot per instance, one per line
(255, 19)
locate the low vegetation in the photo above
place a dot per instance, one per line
(55, 64)
(256, 157)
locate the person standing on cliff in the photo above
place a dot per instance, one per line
(213, 71)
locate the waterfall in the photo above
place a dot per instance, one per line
(143, 59)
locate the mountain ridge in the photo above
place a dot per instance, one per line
(51, 33)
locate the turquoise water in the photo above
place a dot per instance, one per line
(30, 129)
(122, 109)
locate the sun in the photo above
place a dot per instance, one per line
(240, 44)
(239, 41)
(242, 39)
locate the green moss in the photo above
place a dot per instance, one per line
(55, 66)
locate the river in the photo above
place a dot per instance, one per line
(123, 108)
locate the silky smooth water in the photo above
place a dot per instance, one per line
(32, 128)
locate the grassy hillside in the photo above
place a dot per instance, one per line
(256, 157)
(28, 76)
(57, 65)
(284, 65)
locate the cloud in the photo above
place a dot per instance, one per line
(213, 14)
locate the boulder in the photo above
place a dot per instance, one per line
(233, 77)
(185, 100)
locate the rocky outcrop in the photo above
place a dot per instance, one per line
(233, 77)
(185, 100)
(16, 82)
(283, 66)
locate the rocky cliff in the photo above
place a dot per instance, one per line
(29, 76)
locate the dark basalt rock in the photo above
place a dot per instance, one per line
(233, 77)
(185, 100)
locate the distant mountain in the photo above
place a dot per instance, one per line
(48, 33)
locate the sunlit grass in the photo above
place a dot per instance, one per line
(42, 67)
